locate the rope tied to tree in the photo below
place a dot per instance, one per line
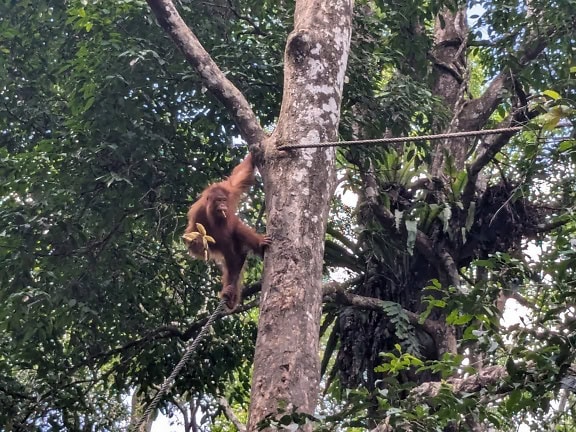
(192, 345)
(403, 139)
(169, 382)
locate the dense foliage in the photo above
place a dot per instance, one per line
(106, 138)
(107, 135)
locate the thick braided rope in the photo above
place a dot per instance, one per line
(168, 382)
(403, 139)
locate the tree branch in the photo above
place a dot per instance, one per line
(550, 226)
(492, 145)
(521, 300)
(491, 375)
(337, 256)
(476, 113)
(212, 77)
(229, 414)
(336, 292)
(257, 30)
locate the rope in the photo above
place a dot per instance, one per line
(169, 382)
(403, 139)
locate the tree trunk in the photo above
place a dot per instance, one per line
(299, 185)
(451, 83)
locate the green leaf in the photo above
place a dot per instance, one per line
(552, 94)
(456, 318)
(89, 103)
(470, 217)
(398, 218)
(566, 145)
(411, 229)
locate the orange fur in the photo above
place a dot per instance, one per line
(216, 210)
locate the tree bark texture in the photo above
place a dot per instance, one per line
(451, 81)
(452, 84)
(298, 187)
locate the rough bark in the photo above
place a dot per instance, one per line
(492, 375)
(450, 65)
(298, 186)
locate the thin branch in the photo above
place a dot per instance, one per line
(332, 231)
(193, 328)
(183, 412)
(333, 287)
(162, 332)
(492, 145)
(342, 297)
(166, 332)
(522, 301)
(550, 226)
(194, 408)
(227, 410)
(212, 77)
(16, 394)
(338, 256)
(337, 292)
(257, 30)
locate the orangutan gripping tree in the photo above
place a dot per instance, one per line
(298, 187)
(231, 239)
